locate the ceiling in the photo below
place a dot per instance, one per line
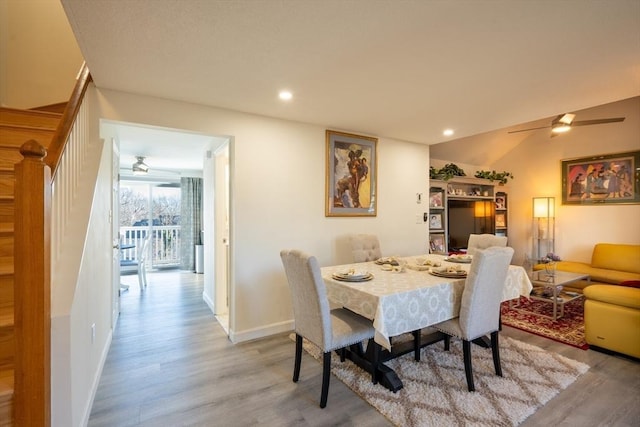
(404, 70)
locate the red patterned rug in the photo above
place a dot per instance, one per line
(569, 329)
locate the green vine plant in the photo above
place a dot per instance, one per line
(501, 177)
(447, 172)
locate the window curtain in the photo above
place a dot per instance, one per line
(190, 221)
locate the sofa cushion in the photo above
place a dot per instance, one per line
(616, 257)
(617, 295)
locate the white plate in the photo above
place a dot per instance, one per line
(353, 277)
(457, 275)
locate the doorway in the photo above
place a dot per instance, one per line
(175, 153)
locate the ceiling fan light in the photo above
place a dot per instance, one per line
(139, 167)
(560, 128)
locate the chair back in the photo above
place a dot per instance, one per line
(484, 241)
(365, 247)
(145, 250)
(482, 295)
(311, 310)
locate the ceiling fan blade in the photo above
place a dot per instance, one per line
(526, 130)
(564, 118)
(597, 121)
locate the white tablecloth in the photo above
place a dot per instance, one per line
(403, 302)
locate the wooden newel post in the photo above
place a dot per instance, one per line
(32, 288)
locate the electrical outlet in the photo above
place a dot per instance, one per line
(418, 219)
(93, 333)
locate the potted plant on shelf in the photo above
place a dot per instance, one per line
(447, 172)
(501, 177)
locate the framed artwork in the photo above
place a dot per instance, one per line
(351, 176)
(436, 243)
(603, 179)
(435, 221)
(500, 220)
(435, 199)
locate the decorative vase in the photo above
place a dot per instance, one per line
(550, 268)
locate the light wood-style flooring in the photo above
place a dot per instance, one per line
(170, 364)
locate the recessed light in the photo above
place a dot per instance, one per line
(448, 132)
(285, 95)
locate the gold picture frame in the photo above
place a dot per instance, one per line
(601, 180)
(351, 174)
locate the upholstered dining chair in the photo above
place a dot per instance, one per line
(480, 306)
(314, 320)
(484, 241)
(365, 247)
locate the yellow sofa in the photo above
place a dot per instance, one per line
(610, 264)
(612, 318)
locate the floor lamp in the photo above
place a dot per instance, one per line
(543, 226)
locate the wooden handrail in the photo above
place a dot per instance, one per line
(32, 288)
(61, 135)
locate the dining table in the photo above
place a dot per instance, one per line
(407, 298)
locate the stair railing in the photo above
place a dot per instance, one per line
(32, 255)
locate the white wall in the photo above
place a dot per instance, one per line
(82, 297)
(39, 56)
(536, 164)
(278, 187)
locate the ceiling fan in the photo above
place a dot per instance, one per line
(564, 123)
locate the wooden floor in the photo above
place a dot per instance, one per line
(170, 364)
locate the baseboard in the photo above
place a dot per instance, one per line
(208, 301)
(96, 379)
(261, 332)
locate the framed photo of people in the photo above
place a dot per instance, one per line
(602, 179)
(436, 243)
(351, 175)
(435, 221)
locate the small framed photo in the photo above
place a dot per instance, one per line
(435, 199)
(501, 221)
(435, 221)
(436, 243)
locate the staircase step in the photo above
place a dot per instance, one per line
(7, 337)
(7, 182)
(9, 156)
(15, 136)
(6, 266)
(6, 209)
(6, 397)
(6, 244)
(6, 291)
(30, 118)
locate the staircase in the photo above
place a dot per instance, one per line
(16, 127)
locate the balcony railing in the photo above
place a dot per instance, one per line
(164, 244)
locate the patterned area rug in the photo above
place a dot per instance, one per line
(435, 389)
(569, 329)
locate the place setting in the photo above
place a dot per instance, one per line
(353, 275)
(460, 258)
(455, 272)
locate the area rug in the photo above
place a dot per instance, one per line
(435, 389)
(568, 329)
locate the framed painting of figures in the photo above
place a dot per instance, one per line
(351, 175)
(604, 179)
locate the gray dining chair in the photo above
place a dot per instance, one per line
(314, 320)
(480, 306)
(484, 241)
(365, 247)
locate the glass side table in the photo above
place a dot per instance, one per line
(548, 288)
